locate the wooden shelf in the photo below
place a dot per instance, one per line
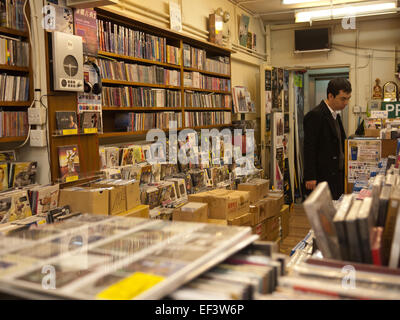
(6, 67)
(129, 58)
(206, 109)
(12, 139)
(207, 90)
(139, 84)
(13, 32)
(208, 72)
(15, 103)
(141, 109)
(135, 133)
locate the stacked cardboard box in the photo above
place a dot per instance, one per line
(140, 211)
(223, 204)
(191, 211)
(109, 197)
(284, 216)
(258, 189)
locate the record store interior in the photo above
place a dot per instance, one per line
(199, 150)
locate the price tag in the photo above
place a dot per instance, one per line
(69, 131)
(379, 114)
(71, 178)
(90, 130)
(130, 287)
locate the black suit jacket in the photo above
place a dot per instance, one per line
(321, 149)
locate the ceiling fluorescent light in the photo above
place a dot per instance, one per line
(297, 1)
(337, 12)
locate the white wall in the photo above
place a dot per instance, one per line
(365, 64)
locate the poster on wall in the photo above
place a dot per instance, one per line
(278, 142)
(268, 102)
(85, 22)
(363, 156)
(243, 29)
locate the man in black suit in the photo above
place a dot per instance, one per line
(324, 139)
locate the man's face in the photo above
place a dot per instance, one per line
(340, 101)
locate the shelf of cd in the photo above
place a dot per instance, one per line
(133, 133)
(13, 32)
(207, 90)
(128, 83)
(142, 109)
(207, 109)
(129, 58)
(221, 75)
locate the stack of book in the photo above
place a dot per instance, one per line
(13, 124)
(14, 88)
(14, 52)
(125, 41)
(140, 97)
(145, 121)
(198, 80)
(196, 119)
(138, 73)
(193, 57)
(173, 55)
(364, 226)
(12, 14)
(205, 100)
(218, 65)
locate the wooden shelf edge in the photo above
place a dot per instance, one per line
(139, 84)
(124, 57)
(12, 139)
(15, 103)
(14, 32)
(13, 68)
(207, 109)
(207, 90)
(142, 108)
(208, 72)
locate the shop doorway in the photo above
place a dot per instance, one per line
(312, 92)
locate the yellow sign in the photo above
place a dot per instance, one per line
(90, 130)
(70, 131)
(130, 287)
(71, 178)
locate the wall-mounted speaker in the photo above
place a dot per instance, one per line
(67, 62)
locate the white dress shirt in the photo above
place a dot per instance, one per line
(334, 113)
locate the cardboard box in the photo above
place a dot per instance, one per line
(86, 200)
(372, 133)
(273, 207)
(131, 196)
(140, 211)
(255, 210)
(243, 220)
(259, 229)
(244, 200)
(223, 204)
(285, 217)
(272, 228)
(278, 195)
(257, 188)
(191, 211)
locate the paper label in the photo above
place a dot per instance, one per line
(71, 178)
(130, 287)
(70, 131)
(90, 130)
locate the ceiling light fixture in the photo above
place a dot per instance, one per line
(338, 12)
(297, 1)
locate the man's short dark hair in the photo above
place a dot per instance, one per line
(337, 84)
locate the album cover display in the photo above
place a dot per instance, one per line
(66, 120)
(68, 157)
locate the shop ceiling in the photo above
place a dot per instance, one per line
(275, 12)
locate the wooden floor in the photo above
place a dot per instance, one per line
(298, 229)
